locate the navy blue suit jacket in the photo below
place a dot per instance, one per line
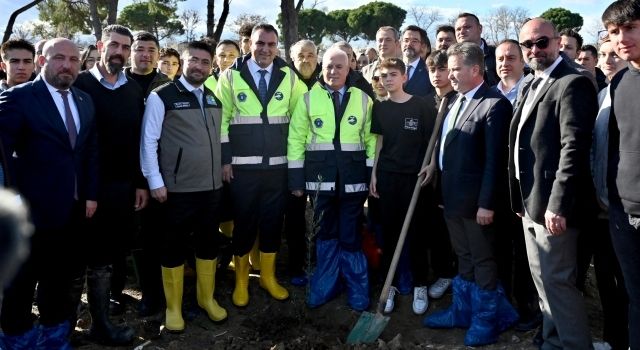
(419, 84)
(475, 155)
(45, 167)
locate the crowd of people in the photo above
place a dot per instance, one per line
(208, 154)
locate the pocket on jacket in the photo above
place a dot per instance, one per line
(176, 169)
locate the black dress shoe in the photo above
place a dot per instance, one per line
(529, 323)
(537, 339)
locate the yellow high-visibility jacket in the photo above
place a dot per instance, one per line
(253, 135)
(318, 146)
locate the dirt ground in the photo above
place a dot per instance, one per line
(269, 324)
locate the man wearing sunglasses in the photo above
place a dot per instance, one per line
(549, 180)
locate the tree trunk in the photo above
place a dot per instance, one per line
(289, 25)
(222, 20)
(299, 5)
(12, 20)
(112, 15)
(210, 18)
(95, 19)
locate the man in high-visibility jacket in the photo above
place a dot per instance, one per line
(331, 152)
(258, 93)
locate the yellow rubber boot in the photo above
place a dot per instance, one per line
(172, 280)
(254, 255)
(205, 286)
(268, 277)
(240, 295)
(227, 228)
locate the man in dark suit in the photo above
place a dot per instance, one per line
(470, 153)
(414, 40)
(549, 180)
(50, 126)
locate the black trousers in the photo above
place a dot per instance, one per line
(112, 231)
(191, 212)
(295, 230)
(513, 265)
(55, 261)
(148, 252)
(427, 243)
(259, 199)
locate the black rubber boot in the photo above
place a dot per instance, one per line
(102, 330)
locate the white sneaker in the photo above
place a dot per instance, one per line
(437, 289)
(390, 304)
(420, 300)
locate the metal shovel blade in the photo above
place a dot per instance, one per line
(368, 328)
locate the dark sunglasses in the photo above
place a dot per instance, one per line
(374, 78)
(541, 43)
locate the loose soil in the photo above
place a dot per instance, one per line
(270, 324)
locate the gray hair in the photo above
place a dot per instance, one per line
(471, 54)
(298, 46)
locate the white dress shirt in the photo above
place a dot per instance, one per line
(57, 98)
(468, 97)
(151, 130)
(526, 108)
(254, 69)
(121, 79)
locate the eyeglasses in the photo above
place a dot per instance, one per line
(541, 43)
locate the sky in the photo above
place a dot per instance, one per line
(591, 10)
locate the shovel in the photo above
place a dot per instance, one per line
(369, 325)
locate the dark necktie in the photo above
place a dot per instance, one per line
(336, 102)
(532, 90)
(409, 68)
(68, 118)
(262, 86)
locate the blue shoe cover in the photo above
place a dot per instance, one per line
(25, 341)
(324, 284)
(55, 337)
(404, 277)
(506, 315)
(354, 269)
(483, 329)
(458, 315)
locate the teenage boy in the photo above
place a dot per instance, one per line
(403, 124)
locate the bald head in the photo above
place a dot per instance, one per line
(60, 61)
(335, 68)
(540, 43)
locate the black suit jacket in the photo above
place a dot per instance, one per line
(419, 83)
(474, 161)
(554, 147)
(46, 167)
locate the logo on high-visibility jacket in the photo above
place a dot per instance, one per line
(242, 97)
(318, 123)
(352, 120)
(279, 96)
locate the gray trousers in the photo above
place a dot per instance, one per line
(473, 245)
(552, 260)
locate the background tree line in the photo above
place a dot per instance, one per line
(66, 18)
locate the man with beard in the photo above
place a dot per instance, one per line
(304, 55)
(414, 41)
(122, 186)
(550, 183)
(51, 128)
(181, 160)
